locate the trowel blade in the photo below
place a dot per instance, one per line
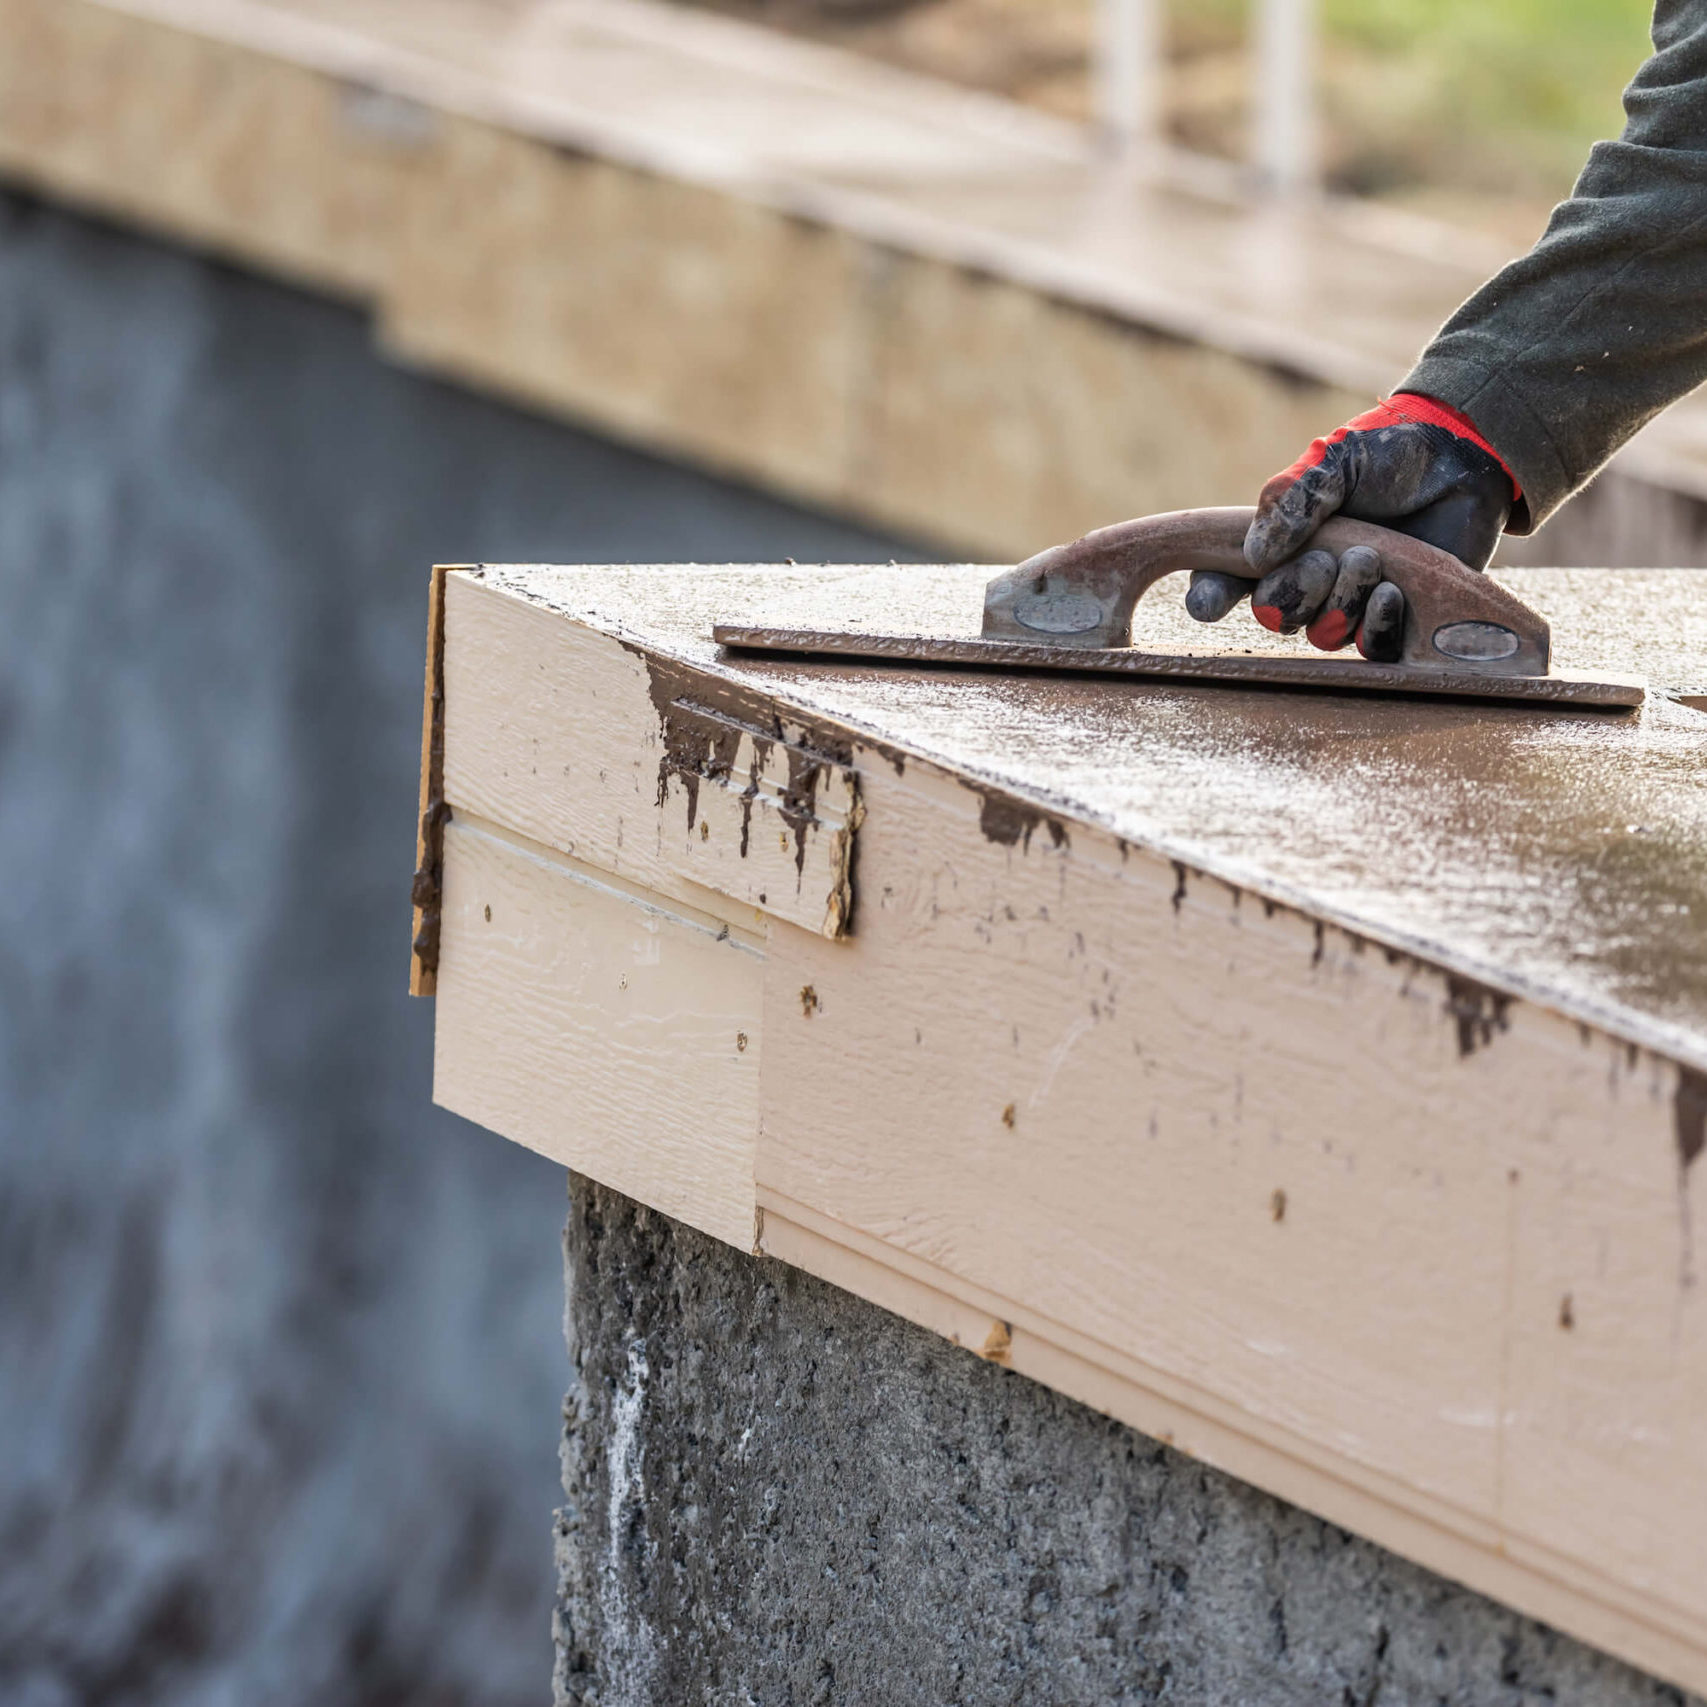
(1259, 669)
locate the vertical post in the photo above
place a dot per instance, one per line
(1128, 75)
(1285, 79)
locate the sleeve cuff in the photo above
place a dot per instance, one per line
(1508, 423)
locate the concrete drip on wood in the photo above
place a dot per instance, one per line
(1477, 1011)
(1010, 820)
(426, 888)
(701, 724)
(1689, 1110)
(1691, 1105)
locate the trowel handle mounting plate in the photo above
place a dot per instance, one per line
(1083, 595)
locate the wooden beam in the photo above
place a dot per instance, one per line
(575, 1000)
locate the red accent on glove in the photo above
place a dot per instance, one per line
(1401, 409)
(1329, 630)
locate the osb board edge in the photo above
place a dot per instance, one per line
(426, 891)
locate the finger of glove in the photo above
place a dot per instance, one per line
(1288, 598)
(1335, 625)
(1291, 509)
(1213, 593)
(1381, 635)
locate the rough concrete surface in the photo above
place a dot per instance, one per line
(280, 1344)
(781, 1495)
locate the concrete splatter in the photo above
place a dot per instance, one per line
(631, 1645)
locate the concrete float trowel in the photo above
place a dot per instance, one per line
(1070, 609)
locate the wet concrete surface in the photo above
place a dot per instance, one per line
(1560, 855)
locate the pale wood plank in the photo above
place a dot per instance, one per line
(1605, 1426)
(1576, 1600)
(566, 1004)
(1075, 1092)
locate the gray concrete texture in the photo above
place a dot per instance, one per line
(280, 1344)
(781, 1495)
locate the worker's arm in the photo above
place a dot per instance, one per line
(1552, 365)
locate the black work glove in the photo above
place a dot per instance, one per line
(1413, 465)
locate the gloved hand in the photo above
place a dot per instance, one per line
(1413, 465)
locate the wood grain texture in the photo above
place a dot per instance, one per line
(1253, 1162)
(566, 1003)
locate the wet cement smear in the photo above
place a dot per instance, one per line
(702, 726)
(1477, 1012)
(1010, 822)
(1689, 1109)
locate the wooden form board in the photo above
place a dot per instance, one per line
(1171, 1052)
(575, 1000)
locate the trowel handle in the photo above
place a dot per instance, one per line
(1084, 594)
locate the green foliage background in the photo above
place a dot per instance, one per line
(1498, 96)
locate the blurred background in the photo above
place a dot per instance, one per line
(1474, 111)
(299, 298)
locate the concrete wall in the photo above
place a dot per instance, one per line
(781, 1494)
(280, 1353)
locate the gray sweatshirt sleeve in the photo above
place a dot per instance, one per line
(1567, 352)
